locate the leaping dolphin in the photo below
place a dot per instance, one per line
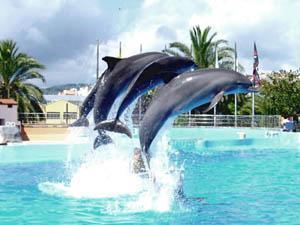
(88, 103)
(122, 72)
(162, 71)
(186, 92)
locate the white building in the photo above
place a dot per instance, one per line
(83, 91)
(8, 111)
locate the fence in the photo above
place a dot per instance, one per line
(184, 120)
(48, 118)
(208, 120)
(196, 120)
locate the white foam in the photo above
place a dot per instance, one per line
(106, 174)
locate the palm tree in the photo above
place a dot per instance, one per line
(203, 52)
(203, 49)
(16, 69)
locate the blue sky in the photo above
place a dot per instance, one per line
(62, 33)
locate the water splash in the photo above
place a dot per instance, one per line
(106, 174)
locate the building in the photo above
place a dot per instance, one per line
(83, 91)
(74, 99)
(61, 112)
(8, 112)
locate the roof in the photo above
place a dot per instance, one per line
(7, 101)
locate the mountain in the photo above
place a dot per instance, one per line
(58, 88)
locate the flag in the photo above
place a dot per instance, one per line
(255, 79)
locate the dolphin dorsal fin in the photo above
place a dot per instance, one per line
(111, 61)
(214, 101)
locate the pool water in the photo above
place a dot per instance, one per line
(223, 183)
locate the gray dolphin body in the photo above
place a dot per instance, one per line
(186, 92)
(88, 103)
(160, 72)
(121, 73)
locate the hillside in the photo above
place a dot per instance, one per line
(58, 88)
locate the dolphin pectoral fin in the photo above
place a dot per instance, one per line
(102, 139)
(81, 122)
(111, 61)
(168, 76)
(214, 101)
(114, 126)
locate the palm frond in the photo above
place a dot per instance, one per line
(15, 71)
(171, 52)
(181, 47)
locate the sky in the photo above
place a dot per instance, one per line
(62, 34)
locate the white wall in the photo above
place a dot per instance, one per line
(9, 114)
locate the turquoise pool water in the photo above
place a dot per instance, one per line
(226, 180)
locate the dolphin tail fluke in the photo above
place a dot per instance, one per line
(102, 139)
(114, 126)
(81, 122)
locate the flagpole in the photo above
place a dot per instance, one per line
(216, 66)
(120, 49)
(235, 95)
(253, 110)
(140, 98)
(255, 66)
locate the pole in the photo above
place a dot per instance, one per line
(253, 110)
(216, 66)
(67, 112)
(235, 95)
(215, 116)
(140, 98)
(255, 68)
(97, 66)
(120, 49)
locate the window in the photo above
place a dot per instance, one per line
(70, 115)
(9, 106)
(53, 115)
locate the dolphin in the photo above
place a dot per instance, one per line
(160, 72)
(184, 93)
(88, 103)
(116, 82)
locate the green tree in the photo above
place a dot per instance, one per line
(203, 49)
(280, 94)
(16, 69)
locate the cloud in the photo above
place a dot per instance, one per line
(166, 33)
(62, 33)
(59, 34)
(272, 24)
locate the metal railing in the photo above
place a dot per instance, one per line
(196, 120)
(208, 120)
(184, 120)
(44, 118)
(32, 118)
